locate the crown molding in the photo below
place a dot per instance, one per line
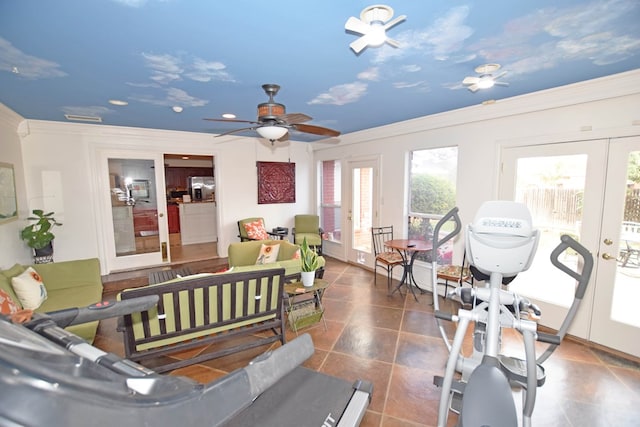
(613, 86)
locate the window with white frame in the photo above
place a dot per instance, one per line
(432, 193)
(330, 199)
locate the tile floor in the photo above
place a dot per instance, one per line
(393, 342)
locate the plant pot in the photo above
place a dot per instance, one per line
(308, 277)
(46, 251)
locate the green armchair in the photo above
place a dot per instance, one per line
(308, 226)
(256, 230)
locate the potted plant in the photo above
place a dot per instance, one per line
(38, 235)
(310, 263)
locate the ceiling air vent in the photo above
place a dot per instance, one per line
(78, 118)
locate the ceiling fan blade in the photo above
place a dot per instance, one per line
(357, 26)
(232, 121)
(499, 75)
(393, 22)
(474, 87)
(235, 131)
(293, 118)
(316, 130)
(501, 83)
(471, 80)
(392, 42)
(359, 44)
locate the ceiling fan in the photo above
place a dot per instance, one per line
(486, 79)
(273, 122)
(373, 25)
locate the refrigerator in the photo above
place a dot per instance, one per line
(201, 187)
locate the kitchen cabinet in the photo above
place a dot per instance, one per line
(176, 177)
(198, 222)
(173, 218)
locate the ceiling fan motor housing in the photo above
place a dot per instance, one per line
(270, 110)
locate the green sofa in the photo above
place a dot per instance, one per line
(242, 254)
(69, 284)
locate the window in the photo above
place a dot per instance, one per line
(331, 191)
(432, 193)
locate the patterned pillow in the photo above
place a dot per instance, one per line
(255, 230)
(297, 254)
(29, 288)
(7, 306)
(268, 254)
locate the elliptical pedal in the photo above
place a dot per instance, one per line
(516, 370)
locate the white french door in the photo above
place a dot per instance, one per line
(363, 207)
(132, 201)
(579, 188)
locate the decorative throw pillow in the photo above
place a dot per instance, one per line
(268, 254)
(297, 255)
(7, 306)
(255, 230)
(29, 288)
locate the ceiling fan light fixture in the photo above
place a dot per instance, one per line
(271, 133)
(486, 82)
(377, 36)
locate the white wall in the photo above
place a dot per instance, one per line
(65, 153)
(609, 107)
(68, 151)
(13, 249)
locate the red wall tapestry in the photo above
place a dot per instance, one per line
(276, 182)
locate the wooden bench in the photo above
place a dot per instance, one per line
(205, 309)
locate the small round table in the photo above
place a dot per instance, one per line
(408, 249)
(309, 311)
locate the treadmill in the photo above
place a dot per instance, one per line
(51, 377)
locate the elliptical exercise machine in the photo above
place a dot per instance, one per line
(500, 243)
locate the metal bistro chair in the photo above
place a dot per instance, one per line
(385, 257)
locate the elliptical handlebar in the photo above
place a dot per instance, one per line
(567, 242)
(451, 215)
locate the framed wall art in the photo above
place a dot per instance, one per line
(276, 182)
(8, 200)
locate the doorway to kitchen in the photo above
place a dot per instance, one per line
(191, 207)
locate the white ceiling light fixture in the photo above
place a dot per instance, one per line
(373, 25)
(272, 133)
(485, 79)
(177, 109)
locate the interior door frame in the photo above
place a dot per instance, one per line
(359, 162)
(103, 206)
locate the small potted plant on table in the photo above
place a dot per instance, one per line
(310, 263)
(38, 235)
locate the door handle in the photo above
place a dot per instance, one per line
(607, 256)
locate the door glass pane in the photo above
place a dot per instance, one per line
(362, 209)
(627, 280)
(330, 204)
(552, 187)
(133, 206)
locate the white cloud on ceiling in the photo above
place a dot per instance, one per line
(421, 86)
(412, 68)
(445, 36)
(173, 96)
(136, 3)
(167, 68)
(205, 71)
(27, 66)
(371, 74)
(548, 37)
(341, 94)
